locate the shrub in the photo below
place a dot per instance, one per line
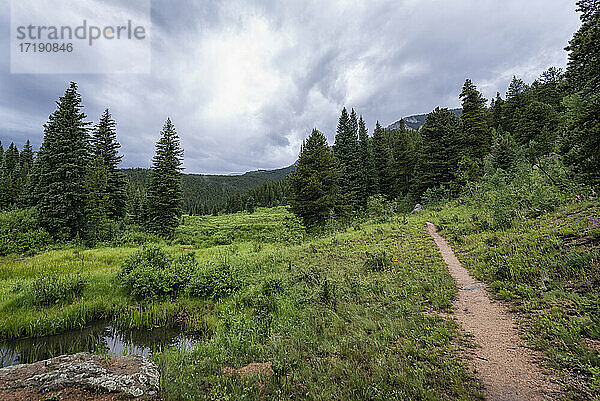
(51, 289)
(377, 261)
(151, 273)
(214, 281)
(20, 232)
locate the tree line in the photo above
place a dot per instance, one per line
(557, 115)
(74, 184)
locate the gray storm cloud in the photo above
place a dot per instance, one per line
(245, 82)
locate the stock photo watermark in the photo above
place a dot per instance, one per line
(86, 36)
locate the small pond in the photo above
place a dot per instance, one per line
(99, 338)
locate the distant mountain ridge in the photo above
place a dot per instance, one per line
(415, 122)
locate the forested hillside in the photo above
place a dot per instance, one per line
(201, 192)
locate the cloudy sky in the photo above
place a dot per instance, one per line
(245, 81)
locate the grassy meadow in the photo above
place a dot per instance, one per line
(351, 313)
(345, 315)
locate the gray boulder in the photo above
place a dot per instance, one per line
(417, 208)
(133, 374)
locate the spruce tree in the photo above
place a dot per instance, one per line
(165, 195)
(106, 148)
(61, 167)
(97, 200)
(383, 161)
(314, 182)
(10, 176)
(476, 133)
(439, 150)
(26, 160)
(404, 159)
(369, 183)
(346, 151)
(581, 141)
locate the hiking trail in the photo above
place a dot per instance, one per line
(505, 367)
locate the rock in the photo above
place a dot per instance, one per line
(417, 208)
(133, 374)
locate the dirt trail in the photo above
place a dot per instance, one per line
(506, 368)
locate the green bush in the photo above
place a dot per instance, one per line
(51, 289)
(151, 273)
(214, 281)
(20, 232)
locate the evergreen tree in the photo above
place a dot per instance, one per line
(496, 111)
(369, 184)
(26, 160)
(314, 182)
(97, 200)
(165, 196)
(106, 148)
(583, 68)
(475, 128)
(346, 151)
(581, 141)
(503, 151)
(404, 159)
(383, 161)
(59, 179)
(439, 150)
(10, 176)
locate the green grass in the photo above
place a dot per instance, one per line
(548, 268)
(343, 316)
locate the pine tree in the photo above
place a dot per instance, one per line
(346, 151)
(165, 196)
(97, 200)
(383, 161)
(26, 160)
(583, 68)
(439, 150)
(106, 148)
(10, 176)
(314, 182)
(404, 159)
(496, 111)
(581, 141)
(476, 133)
(59, 190)
(368, 175)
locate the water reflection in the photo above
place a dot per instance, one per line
(100, 338)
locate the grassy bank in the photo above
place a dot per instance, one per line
(342, 316)
(548, 268)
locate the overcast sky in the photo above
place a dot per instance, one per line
(245, 81)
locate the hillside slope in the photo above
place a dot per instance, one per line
(204, 189)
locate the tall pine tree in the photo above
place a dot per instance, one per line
(165, 195)
(383, 161)
(581, 142)
(346, 151)
(474, 124)
(106, 148)
(440, 149)
(314, 182)
(61, 168)
(368, 175)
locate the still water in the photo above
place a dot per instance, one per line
(99, 338)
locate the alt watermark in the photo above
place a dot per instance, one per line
(83, 36)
